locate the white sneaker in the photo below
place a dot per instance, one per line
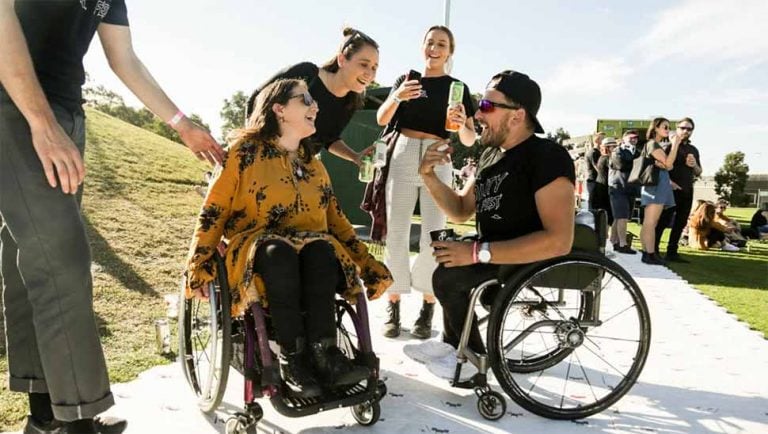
(445, 367)
(428, 350)
(729, 247)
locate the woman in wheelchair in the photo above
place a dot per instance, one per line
(289, 244)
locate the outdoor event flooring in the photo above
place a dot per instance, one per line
(706, 373)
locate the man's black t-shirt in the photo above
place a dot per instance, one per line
(508, 181)
(428, 114)
(592, 158)
(58, 33)
(335, 112)
(681, 174)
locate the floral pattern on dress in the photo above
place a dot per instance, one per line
(262, 193)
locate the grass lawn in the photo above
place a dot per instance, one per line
(139, 207)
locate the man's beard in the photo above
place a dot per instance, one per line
(494, 138)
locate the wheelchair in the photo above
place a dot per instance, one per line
(211, 340)
(566, 337)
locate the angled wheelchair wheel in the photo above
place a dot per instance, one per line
(367, 413)
(205, 348)
(568, 337)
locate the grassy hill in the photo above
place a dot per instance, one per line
(139, 207)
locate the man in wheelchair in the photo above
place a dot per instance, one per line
(289, 244)
(522, 198)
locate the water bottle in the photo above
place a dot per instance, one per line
(380, 155)
(366, 169)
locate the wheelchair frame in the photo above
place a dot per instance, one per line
(261, 373)
(491, 404)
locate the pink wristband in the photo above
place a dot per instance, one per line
(176, 119)
(474, 252)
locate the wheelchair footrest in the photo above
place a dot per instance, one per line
(293, 406)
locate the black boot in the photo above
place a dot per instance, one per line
(333, 367)
(392, 326)
(422, 329)
(295, 370)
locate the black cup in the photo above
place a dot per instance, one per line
(442, 235)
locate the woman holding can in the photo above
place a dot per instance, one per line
(419, 109)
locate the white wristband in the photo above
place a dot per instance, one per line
(176, 119)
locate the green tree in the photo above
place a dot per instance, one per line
(233, 113)
(559, 136)
(731, 179)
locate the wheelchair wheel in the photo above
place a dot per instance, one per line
(205, 349)
(366, 414)
(491, 405)
(567, 351)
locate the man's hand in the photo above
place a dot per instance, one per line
(59, 156)
(434, 157)
(200, 142)
(453, 253)
(201, 293)
(690, 160)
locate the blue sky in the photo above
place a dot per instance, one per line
(707, 59)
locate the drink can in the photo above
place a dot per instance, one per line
(380, 155)
(455, 96)
(366, 169)
(163, 336)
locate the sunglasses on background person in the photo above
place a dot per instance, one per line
(488, 106)
(356, 35)
(308, 100)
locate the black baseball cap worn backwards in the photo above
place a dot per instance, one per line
(521, 89)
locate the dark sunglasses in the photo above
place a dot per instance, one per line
(356, 35)
(685, 128)
(488, 106)
(308, 100)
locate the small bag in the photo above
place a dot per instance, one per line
(374, 198)
(644, 171)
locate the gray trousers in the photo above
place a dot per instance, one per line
(53, 342)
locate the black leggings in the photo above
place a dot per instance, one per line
(301, 289)
(452, 288)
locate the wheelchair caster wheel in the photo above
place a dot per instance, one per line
(492, 405)
(240, 424)
(381, 389)
(366, 414)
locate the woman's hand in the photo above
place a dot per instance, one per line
(201, 293)
(458, 115)
(408, 90)
(359, 156)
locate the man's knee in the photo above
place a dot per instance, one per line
(448, 283)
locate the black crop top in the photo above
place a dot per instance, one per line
(428, 114)
(335, 113)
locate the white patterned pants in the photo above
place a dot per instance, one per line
(403, 188)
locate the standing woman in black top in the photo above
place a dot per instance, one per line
(337, 86)
(419, 110)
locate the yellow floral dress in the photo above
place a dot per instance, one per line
(259, 194)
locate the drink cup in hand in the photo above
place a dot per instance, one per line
(442, 235)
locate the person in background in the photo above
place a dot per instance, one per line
(418, 109)
(705, 231)
(733, 235)
(656, 198)
(759, 221)
(338, 87)
(622, 194)
(687, 167)
(601, 199)
(592, 157)
(54, 352)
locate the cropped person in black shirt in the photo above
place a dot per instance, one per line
(337, 87)
(418, 109)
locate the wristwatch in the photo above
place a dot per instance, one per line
(484, 253)
(396, 99)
